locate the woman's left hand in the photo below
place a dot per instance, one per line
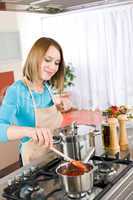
(63, 103)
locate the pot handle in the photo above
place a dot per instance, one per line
(57, 139)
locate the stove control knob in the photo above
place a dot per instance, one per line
(38, 194)
(33, 169)
(26, 192)
(27, 172)
(11, 182)
(18, 178)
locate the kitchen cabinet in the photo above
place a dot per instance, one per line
(8, 151)
(9, 154)
(6, 79)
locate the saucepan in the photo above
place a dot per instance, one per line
(76, 140)
(75, 180)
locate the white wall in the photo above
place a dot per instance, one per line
(30, 30)
(8, 23)
(29, 27)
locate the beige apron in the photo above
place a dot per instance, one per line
(44, 118)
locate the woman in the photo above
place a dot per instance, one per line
(29, 110)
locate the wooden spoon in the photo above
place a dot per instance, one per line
(76, 163)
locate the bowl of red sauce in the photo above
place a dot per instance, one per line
(74, 179)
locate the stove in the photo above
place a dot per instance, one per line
(42, 183)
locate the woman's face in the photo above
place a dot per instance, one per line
(50, 63)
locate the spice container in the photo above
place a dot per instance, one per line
(114, 145)
(105, 135)
(123, 140)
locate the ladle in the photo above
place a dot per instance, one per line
(76, 163)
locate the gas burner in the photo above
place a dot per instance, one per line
(30, 192)
(106, 168)
(105, 173)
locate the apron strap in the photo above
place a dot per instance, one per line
(33, 100)
(50, 92)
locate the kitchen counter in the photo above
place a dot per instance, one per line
(99, 150)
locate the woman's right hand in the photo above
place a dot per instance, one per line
(42, 137)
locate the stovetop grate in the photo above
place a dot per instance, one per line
(44, 181)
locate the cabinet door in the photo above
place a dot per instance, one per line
(8, 152)
(6, 79)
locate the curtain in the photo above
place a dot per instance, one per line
(99, 44)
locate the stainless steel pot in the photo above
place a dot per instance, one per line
(75, 185)
(76, 140)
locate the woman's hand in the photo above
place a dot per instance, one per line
(63, 103)
(66, 104)
(42, 137)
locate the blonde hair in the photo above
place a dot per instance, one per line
(36, 54)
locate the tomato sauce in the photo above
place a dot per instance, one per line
(71, 170)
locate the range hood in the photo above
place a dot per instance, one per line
(55, 6)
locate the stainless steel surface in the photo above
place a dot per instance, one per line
(76, 140)
(76, 184)
(123, 189)
(57, 6)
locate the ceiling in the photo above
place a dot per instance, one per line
(54, 6)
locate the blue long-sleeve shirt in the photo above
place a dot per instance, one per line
(17, 107)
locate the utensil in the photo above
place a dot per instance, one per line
(76, 140)
(61, 154)
(89, 155)
(75, 185)
(76, 163)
